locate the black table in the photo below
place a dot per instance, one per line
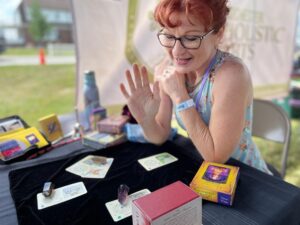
(259, 199)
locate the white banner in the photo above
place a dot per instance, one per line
(112, 34)
(262, 33)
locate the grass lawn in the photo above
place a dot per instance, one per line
(36, 91)
(272, 154)
(31, 51)
(21, 51)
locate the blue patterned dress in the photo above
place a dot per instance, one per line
(246, 151)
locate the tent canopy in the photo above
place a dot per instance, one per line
(111, 35)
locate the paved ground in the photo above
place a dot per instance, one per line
(34, 60)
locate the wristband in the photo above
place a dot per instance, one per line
(185, 105)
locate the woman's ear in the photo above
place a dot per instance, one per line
(219, 37)
(220, 34)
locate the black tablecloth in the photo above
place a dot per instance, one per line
(260, 198)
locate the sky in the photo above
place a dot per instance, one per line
(7, 10)
(298, 31)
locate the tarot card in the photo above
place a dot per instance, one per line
(91, 167)
(119, 212)
(156, 161)
(61, 195)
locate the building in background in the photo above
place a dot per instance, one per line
(15, 17)
(10, 22)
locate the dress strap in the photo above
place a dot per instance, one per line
(205, 77)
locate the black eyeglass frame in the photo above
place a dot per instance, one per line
(201, 37)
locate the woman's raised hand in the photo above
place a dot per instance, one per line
(143, 103)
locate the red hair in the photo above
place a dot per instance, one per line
(212, 13)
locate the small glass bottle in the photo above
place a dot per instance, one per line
(91, 96)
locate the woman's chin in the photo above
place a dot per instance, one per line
(184, 68)
(181, 69)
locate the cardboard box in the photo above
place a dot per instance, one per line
(172, 204)
(216, 182)
(51, 127)
(97, 115)
(112, 124)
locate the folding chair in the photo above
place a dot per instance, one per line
(271, 122)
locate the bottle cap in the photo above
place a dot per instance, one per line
(89, 77)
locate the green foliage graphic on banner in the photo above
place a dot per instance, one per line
(131, 53)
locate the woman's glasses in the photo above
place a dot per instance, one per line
(187, 41)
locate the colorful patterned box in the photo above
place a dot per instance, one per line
(216, 182)
(172, 204)
(112, 124)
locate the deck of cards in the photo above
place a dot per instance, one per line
(100, 140)
(91, 167)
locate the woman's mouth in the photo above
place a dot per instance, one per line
(182, 61)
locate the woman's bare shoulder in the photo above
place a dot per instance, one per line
(233, 70)
(233, 77)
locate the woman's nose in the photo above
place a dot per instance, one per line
(178, 48)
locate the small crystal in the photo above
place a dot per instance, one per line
(123, 197)
(99, 160)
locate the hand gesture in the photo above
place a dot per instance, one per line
(173, 83)
(142, 102)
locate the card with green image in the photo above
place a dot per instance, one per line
(156, 161)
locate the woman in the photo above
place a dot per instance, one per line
(210, 90)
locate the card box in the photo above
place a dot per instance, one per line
(172, 204)
(112, 124)
(51, 127)
(216, 182)
(97, 115)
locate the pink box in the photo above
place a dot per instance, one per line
(172, 204)
(112, 124)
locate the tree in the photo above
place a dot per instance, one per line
(38, 26)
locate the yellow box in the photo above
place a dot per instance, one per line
(51, 127)
(216, 182)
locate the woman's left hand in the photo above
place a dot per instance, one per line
(173, 83)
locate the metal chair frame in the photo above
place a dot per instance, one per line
(271, 122)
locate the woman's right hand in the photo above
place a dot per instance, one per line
(143, 103)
